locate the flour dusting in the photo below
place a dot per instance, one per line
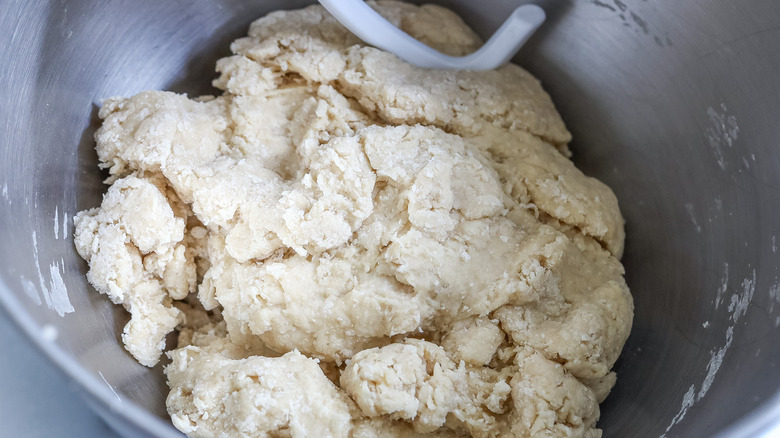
(739, 302)
(738, 306)
(689, 209)
(724, 284)
(55, 293)
(57, 222)
(60, 302)
(632, 20)
(722, 132)
(714, 364)
(688, 400)
(41, 282)
(65, 226)
(774, 295)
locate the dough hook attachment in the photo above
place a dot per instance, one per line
(374, 29)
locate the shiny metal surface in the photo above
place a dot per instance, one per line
(674, 104)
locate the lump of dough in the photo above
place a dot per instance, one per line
(416, 381)
(138, 260)
(410, 381)
(378, 249)
(550, 402)
(147, 130)
(311, 44)
(383, 427)
(539, 174)
(328, 307)
(473, 340)
(586, 334)
(587, 338)
(215, 392)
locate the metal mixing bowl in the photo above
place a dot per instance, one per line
(674, 104)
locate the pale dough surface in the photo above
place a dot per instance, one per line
(351, 246)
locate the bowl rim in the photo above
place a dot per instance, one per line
(762, 422)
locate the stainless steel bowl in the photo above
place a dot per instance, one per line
(674, 104)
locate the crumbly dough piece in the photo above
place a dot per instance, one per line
(134, 246)
(353, 246)
(223, 390)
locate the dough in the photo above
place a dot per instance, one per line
(353, 246)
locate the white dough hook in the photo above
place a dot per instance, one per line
(374, 29)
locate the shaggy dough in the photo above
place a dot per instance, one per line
(352, 246)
